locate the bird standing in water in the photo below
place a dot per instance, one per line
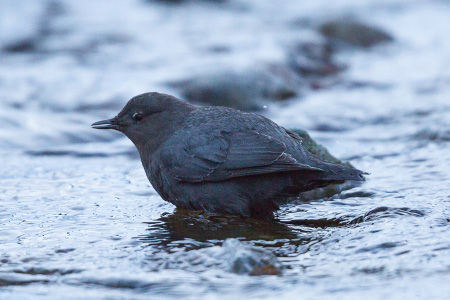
(219, 159)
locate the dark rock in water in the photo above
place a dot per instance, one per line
(250, 260)
(233, 256)
(314, 59)
(354, 33)
(321, 152)
(245, 89)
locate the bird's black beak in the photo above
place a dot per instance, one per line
(106, 124)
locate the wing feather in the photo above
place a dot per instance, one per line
(222, 156)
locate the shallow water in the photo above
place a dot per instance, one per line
(80, 220)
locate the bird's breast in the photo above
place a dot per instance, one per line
(158, 179)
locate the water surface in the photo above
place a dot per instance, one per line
(80, 220)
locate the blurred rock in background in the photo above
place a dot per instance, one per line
(245, 89)
(354, 33)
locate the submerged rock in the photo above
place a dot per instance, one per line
(233, 256)
(246, 89)
(354, 33)
(314, 59)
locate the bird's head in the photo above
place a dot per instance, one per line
(148, 118)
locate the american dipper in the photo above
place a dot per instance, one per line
(219, 159)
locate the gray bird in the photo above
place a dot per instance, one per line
(219, 159)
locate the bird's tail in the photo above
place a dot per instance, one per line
(333, 172)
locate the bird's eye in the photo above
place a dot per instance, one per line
(137, 116)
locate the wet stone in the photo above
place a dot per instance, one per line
(245, 89)
(233, 256)
(354, 33)
(314, 59)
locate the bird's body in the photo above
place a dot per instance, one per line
(219, 159)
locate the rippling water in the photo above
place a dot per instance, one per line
(79, 219)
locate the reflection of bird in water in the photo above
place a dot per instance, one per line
(198, 241)
(219, 159)
(200, 228)
(213, 235)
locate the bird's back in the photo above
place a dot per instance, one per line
(221, 119)
(208, 120)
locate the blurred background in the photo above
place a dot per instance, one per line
(370, 80)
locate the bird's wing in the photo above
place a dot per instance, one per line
(223, 156)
